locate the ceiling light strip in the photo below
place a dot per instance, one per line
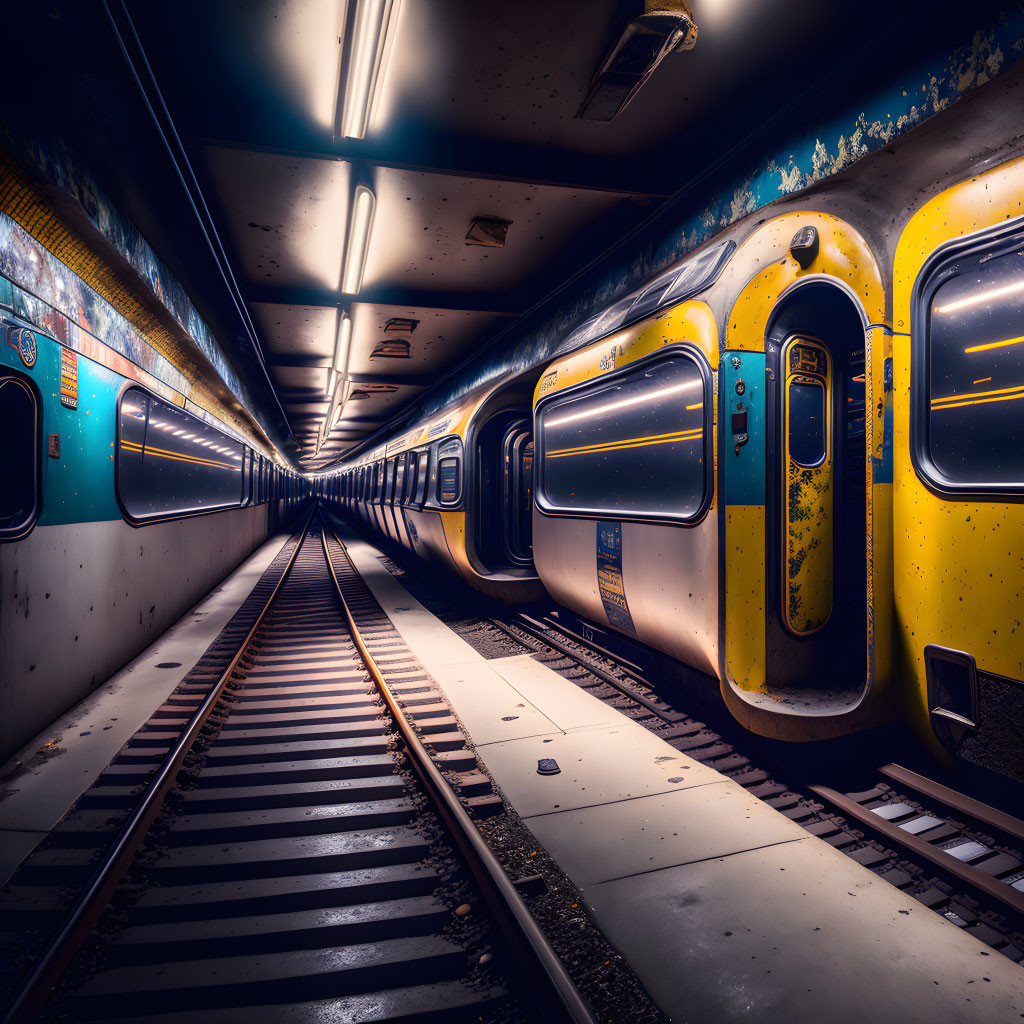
(372, 35)
(360, 228)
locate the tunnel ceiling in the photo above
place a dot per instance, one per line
(476, 119)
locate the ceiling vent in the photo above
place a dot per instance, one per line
(664, 27)
(400, 325)
(487, 231)
(396, 345)
(392, 348)
(369, 390)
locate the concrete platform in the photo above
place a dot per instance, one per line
(726, 909)
(81, 743)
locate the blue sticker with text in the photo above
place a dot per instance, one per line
(609, 576)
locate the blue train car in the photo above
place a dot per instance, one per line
(122, 505)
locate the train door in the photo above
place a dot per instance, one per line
(806, 439)
(401, 534)
(517, 493)
(504, 493)
(816, 517)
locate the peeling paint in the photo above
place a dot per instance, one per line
(58, 167)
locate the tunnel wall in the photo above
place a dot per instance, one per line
(80, 600)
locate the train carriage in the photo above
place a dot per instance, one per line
(958, 365)
(705, 482)
(457, 491)
(106, 477)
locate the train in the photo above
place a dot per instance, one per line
(792, 463)
(123, 504)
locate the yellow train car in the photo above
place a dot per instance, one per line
(958, 362)
(793, 462)
(456, 491)
(705, 483)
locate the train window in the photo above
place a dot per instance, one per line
(410, 478)
(449, 472)
(409, 486)
(399, 471)
(170, 463)
(968, 351)
(245, 463)
(19, 457)
(633, 446)
(805, 421)
(422, 477)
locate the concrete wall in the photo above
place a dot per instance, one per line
(78, 601)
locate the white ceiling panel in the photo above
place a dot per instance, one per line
(420, 225)
(286, 215)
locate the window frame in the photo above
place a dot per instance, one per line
(246, 466)
(420, 494)
(409, 478)
(433, 499)
(397, 486)
(992, 241)
(6, 536)
(678, 350)
(246, 472)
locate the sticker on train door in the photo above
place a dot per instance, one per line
(68, 378)
(609, 576)
(23, 341)
(411, 527)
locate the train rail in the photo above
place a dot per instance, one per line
(953, 853)
(297, 852)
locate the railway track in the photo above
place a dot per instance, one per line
(297, 854)
(956, 855)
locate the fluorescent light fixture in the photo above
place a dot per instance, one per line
(342, 343)
(974, 300)
(639, 400)
(360, 226)
(372, 30)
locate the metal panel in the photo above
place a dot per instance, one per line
(565, 556)
(671, 580)
(94, 594)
